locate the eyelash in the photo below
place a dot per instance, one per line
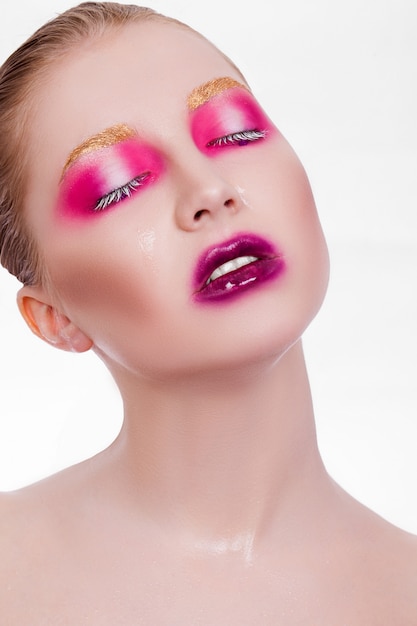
(241, 138)
(119, 194)
(115, 196)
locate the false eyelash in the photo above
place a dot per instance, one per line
(242, 138)
(121, 193)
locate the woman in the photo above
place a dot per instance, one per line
(161, 220)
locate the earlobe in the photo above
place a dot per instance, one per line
(50, 324)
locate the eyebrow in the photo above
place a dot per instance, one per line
(202, 94)
(119, 132)
(104, 139)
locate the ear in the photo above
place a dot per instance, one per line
(48, 323)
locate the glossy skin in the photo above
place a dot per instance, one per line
(212, 506)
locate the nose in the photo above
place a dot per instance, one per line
(204, 194)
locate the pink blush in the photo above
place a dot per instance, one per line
(232, 111)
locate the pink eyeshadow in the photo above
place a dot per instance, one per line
(232, 111)
(80, 192)
(100, 172)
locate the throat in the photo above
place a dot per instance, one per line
(212, 458)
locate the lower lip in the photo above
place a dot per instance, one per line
(237, 283)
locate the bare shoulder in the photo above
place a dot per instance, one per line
(22, 521)
(386, 569)
(396, 560)
(38, 533)
(17, 545)
(14, 523)
(373, 564)
(399, 548)
(36, 519)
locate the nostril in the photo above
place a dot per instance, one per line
(198, 215)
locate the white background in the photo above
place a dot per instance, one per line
(339, 79)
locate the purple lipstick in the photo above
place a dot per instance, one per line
(229, 269)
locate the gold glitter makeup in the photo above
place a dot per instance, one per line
(103, 139)
(200, 95)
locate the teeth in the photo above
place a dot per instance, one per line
(230, 266)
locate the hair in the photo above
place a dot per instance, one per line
(18, 77)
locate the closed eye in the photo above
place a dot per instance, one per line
(121, 193)
(241, 138)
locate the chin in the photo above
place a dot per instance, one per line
(258, 335)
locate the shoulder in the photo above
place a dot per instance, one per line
(24, 548)
(31, 518)
(399, 551)
(374, 564)
(13, 521)
(35, 536)
(17, 548)
(387, 571)
(19, 525)
(396, 572)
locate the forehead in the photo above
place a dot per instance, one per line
(140, 75)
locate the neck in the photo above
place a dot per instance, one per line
(219, 460)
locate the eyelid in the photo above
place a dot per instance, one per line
(121, 193)
(240, 138)
(226, 116)
(98, 180)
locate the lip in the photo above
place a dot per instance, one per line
(268, 266)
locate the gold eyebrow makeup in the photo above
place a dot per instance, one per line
(200, 95)
(104, 139)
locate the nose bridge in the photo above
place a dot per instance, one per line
(204, 189)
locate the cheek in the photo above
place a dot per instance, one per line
(307, 242)
(126, 305)
(280, 183)
(97, 275)
(288, 207)
(113, 278)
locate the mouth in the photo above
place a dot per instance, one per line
(229, 269)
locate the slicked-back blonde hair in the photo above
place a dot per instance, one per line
(18, 78)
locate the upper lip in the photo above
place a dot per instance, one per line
(242, 244)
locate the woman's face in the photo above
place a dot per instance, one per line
(147, 174)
